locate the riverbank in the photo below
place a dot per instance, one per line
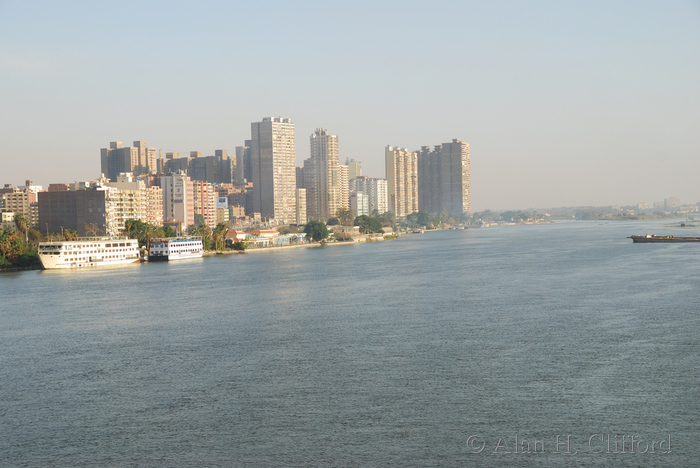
(272, 248)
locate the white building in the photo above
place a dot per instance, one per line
(359, 204)
(178, 200)
(376, 191)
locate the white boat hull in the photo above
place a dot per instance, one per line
(175, 248)
(88, 252)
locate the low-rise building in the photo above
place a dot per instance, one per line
(7, 218)
(23, 202)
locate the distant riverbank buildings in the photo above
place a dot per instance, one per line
(429, 180)
(259, 185)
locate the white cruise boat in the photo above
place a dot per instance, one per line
(88, 252)
(175, 248)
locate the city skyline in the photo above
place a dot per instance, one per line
(562, 105)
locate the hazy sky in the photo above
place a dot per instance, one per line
(563, 103)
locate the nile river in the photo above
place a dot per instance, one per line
(433, 350)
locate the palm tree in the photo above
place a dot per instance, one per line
(201, 230)
(69, 234)
(22, 225)
(218, 233)
(148, 232)
(129, 226)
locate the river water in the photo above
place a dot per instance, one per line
(433, 350)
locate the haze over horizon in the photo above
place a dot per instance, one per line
(562, 104)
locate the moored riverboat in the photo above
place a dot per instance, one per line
(175, 248)
(88, 252)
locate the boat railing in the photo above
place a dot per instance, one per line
(82, 239)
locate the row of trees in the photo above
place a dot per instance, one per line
(344, 217)
(144, 232)
(432, 220)
(215, 237)
(318, 231)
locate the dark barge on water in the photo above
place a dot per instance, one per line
(653, 238)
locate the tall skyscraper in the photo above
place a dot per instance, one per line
(444, 178)
(342, 188)
(273, 169)
(323, 188)
(401, 178)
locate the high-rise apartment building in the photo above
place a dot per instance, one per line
(359, 204)
(376, 191)
(326, 177)
(325, 180)
(308, 182)
(117, 159)
(135, 199)
(301, 206)
(148, 162)
(343, 188)
(273, 169)
(402, 180)
(126, 197)
(444, 178)
(217, 169)
(137, 159)
(178, 200)
(152, 205)
(174, 164)
(205, 199)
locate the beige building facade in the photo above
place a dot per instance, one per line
(134, 199)
(178, 200)
(273, 156)
(325, 180)
(23, 202)
(205, 198)
(301, 206)
(402, 180)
